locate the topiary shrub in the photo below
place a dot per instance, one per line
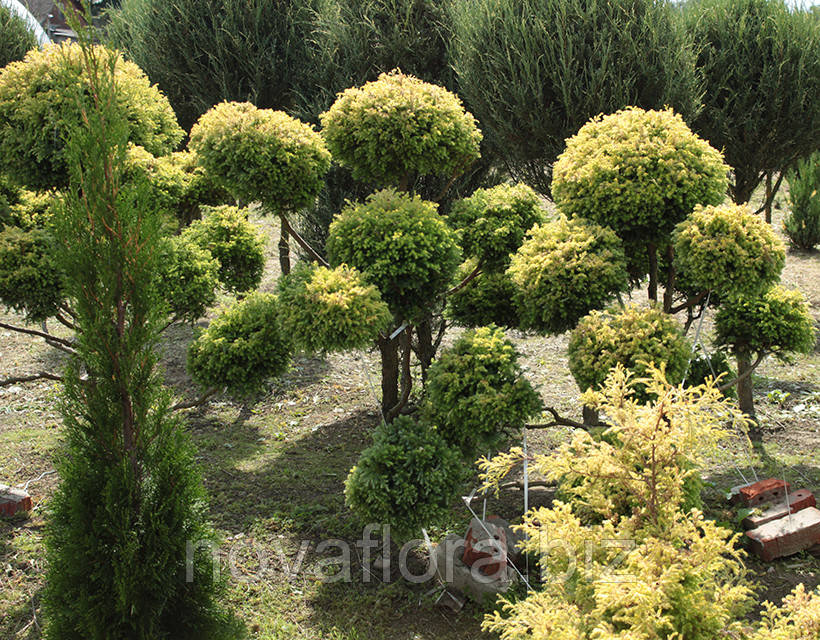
(407, 478)
(401, 245)
(802, 223)
(638, 172)
(260, 154)
(632, 337)
(477, 393)
(484, 300)
(30, 280)
(564, 269)
(237, 245)
(331, 309)
(16, 37)
(38, 106)
(492, 222)
(188, 277)
(426, 126)
(241, 348)
(727, 249)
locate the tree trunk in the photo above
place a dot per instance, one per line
(745, 396)
(769, 198)
(426, 349)
(669, 288)
(653, 271)
(284, 249)
(591, 417)
(389, 350)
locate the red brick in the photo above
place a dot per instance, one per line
(769, 490)
(13, 500)
(783, 537)
(798, 500)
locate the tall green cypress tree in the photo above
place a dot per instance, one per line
(130, 496)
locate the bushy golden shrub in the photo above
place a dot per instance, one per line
(631, 336)
(492, 222)
(261, 154)
(401, 245)
(38, 105)
(397, 127)
(331, 309)
(564, 269)
(727, 249)
(477, 393)
(639, 172)
(242, 347)
(798, 618)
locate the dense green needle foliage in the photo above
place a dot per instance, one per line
(484, 300)
(802, 224)
(130, 496)
(16, 38)
(30, 280)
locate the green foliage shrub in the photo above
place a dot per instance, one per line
(188, 277)
(407, 478)
(401, 245)
(484, 300)
(477, 393)
(331, 309)
(30, 280)
(31, 210)
(565, 268)
(397, 127)
(712, 366)
(243, 347)
(534, 71)
(778, 322)
(201, 52)
(629, 336)
(760, 61)
(639, 172)
(802, 223)
(237, 244)
(492, 222)
(727, 249)
(260, 154)
(16, 37)
(38, 106)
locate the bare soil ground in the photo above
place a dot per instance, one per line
(275, 466)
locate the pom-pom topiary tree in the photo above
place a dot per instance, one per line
(266, 155)
(640, 173)
(36, 107)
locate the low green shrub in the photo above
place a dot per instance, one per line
(188, 278)
(241, 348)
(477, 393)
(401, 245)
(631, 336)
(30, 282)
(728, 250)
(331, 309)
(237, 245)
(564, 269)
(407, 478)
(802, 224)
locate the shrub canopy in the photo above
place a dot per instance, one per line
(241, 348)
(638, 172)
(30, 280)
(727, 249)
(484, 300)
(331, 309)
(38, 105)
(802, 223)
(187, 278)
(534, 71)
(399, 127)
(260, 154)
(477, 393)
(778, 322)
(401, 245)
(492, 222)
(407, 478)
(631, 336)
(760, 60)
(563, 269)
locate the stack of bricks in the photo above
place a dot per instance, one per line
(13, 500)
(784, 522)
